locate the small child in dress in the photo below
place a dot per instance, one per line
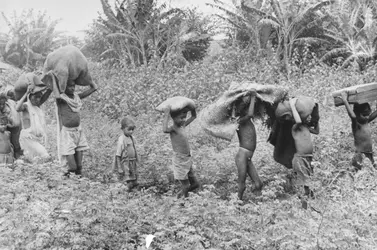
(126, 159)
(182, 162)
(361, 116)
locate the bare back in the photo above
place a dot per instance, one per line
(179, 140)
(362, 136)
(302, 137)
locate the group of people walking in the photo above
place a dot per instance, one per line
(291, 120)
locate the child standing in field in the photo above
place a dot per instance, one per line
(182, 162)
(126, 158)
(361, 116)
(6, 150)
(72, 138)
(244, 110)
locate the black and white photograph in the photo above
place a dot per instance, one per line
(188, 124)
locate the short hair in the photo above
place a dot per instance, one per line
(358, 108)
(175, 113)
(3, 96)
(127, 121)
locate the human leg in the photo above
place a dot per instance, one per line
(357, 160)
(242, 165)
(303, 172)
(71, 161)
(370, 157)
(194, 183)
(78, 160)
(15, 140)
(184, 188)
(252, 172)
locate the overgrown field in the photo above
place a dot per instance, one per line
(39, 209)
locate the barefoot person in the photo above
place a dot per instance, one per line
(301, 124)
(182, 162)
(361, 116)
(302, 159)
(126, 158)
(244, 109)
(72, 138)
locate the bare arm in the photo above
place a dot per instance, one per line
(19, 105)
(372, 116)
(315, 129)
(118, 161)
(295, 114)
(92, 88)
(350, 112)
(165, 127)
(45, 96)
(250, 111)
(193, 117)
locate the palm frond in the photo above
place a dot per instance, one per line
(108, 11)
(269, 21)
(333, 53)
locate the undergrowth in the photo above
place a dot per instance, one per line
(41, 209)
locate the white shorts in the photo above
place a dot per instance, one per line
(71, 140)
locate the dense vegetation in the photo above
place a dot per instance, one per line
(39, 209)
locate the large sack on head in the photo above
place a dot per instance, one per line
(216, 118)
(176, 103)
(67, 63)
(304, 107)
(21, 85)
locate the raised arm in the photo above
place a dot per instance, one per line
(350, 112)
(315, 129)
(45, 96)
(295, 114)
(20, 103)
(92, 88)
(250, 110)
(193, 117)
(372, 116)
(165, 126)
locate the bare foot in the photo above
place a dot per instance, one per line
(257, 189)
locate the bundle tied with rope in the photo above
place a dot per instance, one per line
(216, 119)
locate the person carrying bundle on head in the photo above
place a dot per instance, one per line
(177, 108)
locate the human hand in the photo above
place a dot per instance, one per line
(2, 128)
(344, 95)
(251, 92)
(30, 89)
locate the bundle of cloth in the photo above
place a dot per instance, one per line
(65, 64)
(22, 83)
(216, 119)
(176, 103)
(281, 132)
